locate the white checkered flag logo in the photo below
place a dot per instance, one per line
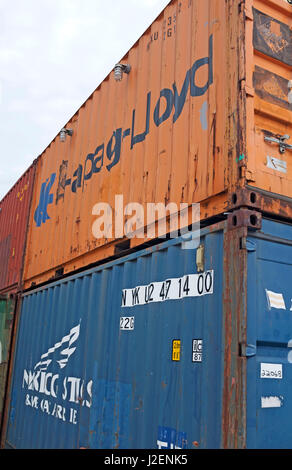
(60, 352)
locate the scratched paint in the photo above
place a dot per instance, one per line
(203, 116)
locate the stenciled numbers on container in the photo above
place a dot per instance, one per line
(190, 285)
(127, 323)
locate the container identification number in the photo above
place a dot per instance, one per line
(190, 285)
(127, 323)
(271, 371)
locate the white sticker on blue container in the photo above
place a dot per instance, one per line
(127, 323)
(190, 285)
(275, 300)
(197, 350)
(271, 371)
(271, 402)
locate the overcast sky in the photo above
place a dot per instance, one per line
(53, 54)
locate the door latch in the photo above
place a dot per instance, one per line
(280, 140)
(247, 350)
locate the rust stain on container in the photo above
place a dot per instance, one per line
(271, 88)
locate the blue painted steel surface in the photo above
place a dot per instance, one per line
(81, 381)
(269, 330)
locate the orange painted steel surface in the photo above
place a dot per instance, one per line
(14, 214)
(269, 112)
(156, 136)
(203, 112)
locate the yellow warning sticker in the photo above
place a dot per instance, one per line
(176, 346)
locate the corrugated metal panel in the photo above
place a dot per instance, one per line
(269, 109)
(104, 360)
(14, 218)
(195, 119)
(269, 327)
(100, 366)
(6, 321)
(159, 135)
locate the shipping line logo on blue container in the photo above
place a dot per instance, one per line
(169, 99)
(169, 438)
(48, 392)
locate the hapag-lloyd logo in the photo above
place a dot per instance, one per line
(108, 154)
(45, 380)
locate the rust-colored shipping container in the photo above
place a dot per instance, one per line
(203, 112)
(14, 218)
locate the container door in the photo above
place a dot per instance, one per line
(268, 95)
(165, 366)
(269, 338)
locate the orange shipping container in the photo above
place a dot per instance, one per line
(198, 116)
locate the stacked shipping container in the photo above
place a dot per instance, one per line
(204, 116)
(156, 136)
(14, 217)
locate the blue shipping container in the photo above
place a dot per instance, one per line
(134, 353)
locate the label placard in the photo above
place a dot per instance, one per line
(271, 371)
(176, 347)
(127, 323)
(197, 350)
(276, 164)
(190, 285)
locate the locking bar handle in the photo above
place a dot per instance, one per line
(280, 140)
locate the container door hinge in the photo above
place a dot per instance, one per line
(246, 244)
(247, 350)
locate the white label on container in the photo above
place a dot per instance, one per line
(271, 371)
(190, 285)
(197, 350)
(127, 323)
(271, 402)
(276, 164)
(275, 300)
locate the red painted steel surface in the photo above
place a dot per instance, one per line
(14, 215)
